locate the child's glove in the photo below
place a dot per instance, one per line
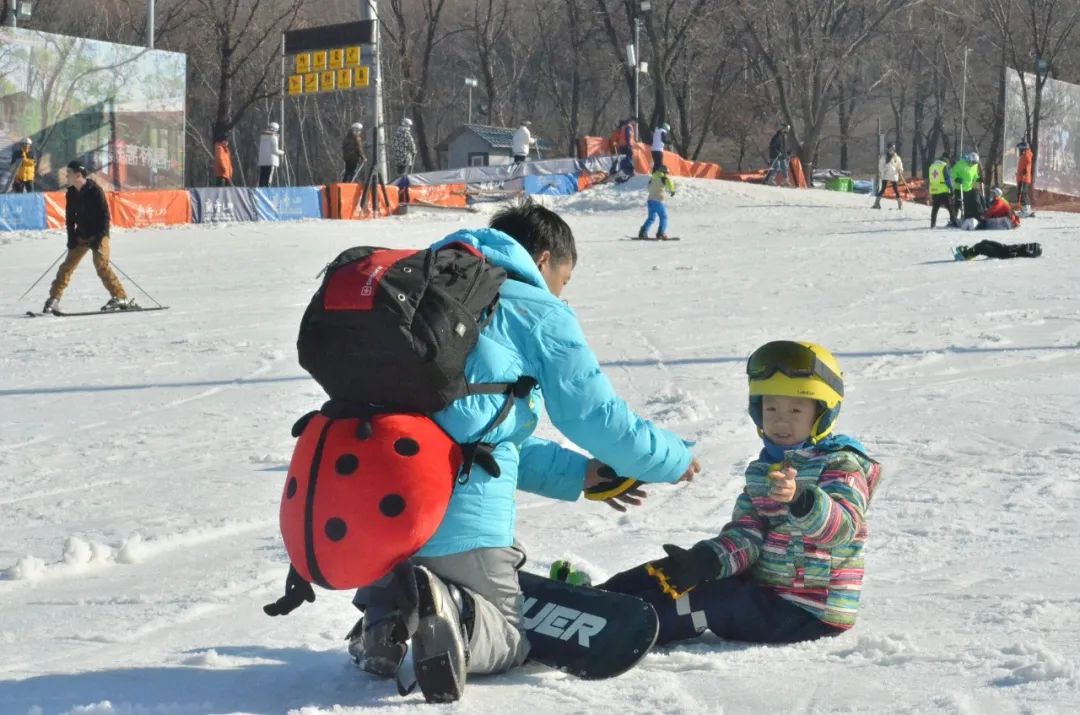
(683, 569)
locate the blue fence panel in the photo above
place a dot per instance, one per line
(22, 212)
(289, 204)
(221, 205)
(551, 184)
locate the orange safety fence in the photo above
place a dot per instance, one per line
(676, 165)
(450, 195)
(345, 201)
(55, 209)
(128, 209)
(911, 190)
(749, 177)
(137, 209)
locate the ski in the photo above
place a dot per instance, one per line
(657, 240)
(61, 314)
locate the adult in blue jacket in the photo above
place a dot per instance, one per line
(467, 573)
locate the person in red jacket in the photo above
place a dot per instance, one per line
(999, 208)
(1024, 176)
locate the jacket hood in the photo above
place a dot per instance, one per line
(500, 249)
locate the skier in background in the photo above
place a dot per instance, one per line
(966, 174)
(659, 185)
(223, 168)
(521, 143)
(1024, 174)
(352, 152)
(270, 153)
(778, 152)
(941, 186)
(404, 148)
(24, 166)
(661, 136)
(891, 168)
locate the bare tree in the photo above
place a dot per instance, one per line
(804, 45)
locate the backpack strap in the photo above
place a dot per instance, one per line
(297, 590)
(481, 452)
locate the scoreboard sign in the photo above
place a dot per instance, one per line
(332, 58)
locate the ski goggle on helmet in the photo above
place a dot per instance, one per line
(785, 368)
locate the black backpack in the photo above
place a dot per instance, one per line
(390, 330)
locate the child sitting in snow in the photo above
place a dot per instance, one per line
(788, 566)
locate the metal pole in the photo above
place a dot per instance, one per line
(470, 104)
(369, 10)
(150, 24)
(963, 102)
(637, 69)
(287, 171)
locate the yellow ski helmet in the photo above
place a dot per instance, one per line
(786, 368)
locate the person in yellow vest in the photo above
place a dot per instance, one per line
(24, 164)
(940, 180)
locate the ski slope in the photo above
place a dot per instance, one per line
(142, 458)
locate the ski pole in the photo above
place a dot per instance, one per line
(43, 275)
(125, 275)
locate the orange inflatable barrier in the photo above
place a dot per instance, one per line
(137, 209)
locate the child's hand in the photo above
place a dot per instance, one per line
(691, 471)
(782, 486)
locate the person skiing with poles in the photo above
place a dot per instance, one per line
(87, 230)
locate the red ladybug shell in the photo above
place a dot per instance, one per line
(355, 507)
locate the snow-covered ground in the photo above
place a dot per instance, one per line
(142, 457)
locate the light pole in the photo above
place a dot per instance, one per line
(150, 24)
(470, 82)
(633, 56)
(963, 103)
(20, 9)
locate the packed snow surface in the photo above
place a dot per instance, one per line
(142, 458)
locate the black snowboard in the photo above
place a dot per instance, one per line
(586, 632)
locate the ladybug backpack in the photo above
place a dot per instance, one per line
(386, 336)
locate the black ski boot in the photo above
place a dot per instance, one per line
(441, 641)
(379, 648)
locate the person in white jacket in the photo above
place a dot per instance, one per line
(522, 142)
(270, 153)
(660, 137)
(891, 169)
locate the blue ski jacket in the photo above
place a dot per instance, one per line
(535, 334)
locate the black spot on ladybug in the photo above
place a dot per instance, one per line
(290, 490)
(346, 464)
(392, 505)
(363, 430)
(335, 529)
(406, 447)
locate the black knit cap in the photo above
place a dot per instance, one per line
(77, 166)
